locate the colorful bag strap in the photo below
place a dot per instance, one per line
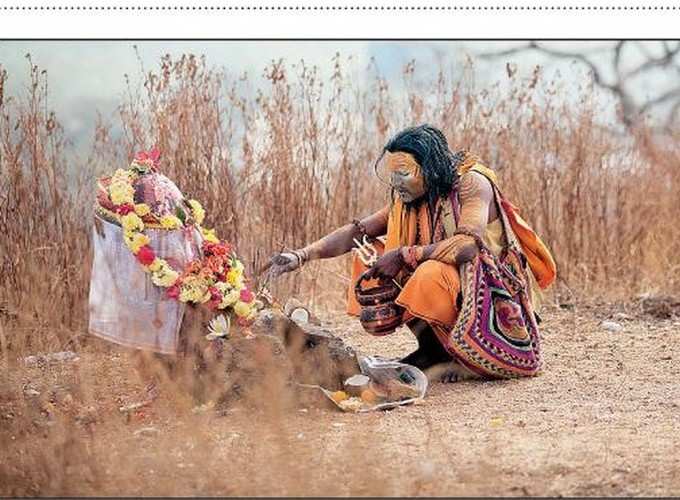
(511, 238)
(510, 235)
(455, 205)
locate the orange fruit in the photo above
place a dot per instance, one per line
(368, 396)
(339, 396)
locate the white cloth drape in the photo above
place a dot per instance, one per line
(125, 306)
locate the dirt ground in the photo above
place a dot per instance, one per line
(602, 419)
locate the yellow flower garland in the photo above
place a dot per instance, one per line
(192, 288)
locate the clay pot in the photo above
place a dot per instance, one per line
(380, 315)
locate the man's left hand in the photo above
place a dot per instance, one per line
(387, 266)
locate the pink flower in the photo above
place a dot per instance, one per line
(173, 292)
(125, 209)
(150, 157)
(146, 255)
(246, 296)
(215, 297)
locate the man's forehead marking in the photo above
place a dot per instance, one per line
(401, 159)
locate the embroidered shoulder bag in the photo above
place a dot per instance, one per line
(496, 333)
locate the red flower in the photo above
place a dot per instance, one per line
(151, 157)
(246, 296)
(220, 249)
(124, 209)
(214, 263)
(173, 292)
(215, 297)
(146, 255)
(207, 248)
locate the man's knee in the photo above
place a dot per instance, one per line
(433, 271)
(429, 269)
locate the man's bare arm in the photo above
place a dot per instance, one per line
(341, 240)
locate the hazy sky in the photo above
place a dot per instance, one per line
(88, 77)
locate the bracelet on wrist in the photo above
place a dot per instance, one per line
(302, 255)
(358, 224)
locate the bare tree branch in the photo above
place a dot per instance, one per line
(508, 52)
(618, 49)
(643, 48)
(665, 97)
(668, 59)
(653, 62)
(597, 76)
(532, 45)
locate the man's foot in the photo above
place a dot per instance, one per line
(449, 372)
(430, 351)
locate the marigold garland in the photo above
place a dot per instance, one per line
(216, 280)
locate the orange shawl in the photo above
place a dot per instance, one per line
(404, 220)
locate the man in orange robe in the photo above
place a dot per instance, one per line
(434, 192)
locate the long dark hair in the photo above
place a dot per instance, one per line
(429, 147)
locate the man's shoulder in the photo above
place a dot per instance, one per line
(474, 184)
(466, 161)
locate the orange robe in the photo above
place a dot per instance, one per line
(430, 293)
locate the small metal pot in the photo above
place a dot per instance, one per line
(380, 315)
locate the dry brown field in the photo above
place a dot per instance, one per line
(280, 161)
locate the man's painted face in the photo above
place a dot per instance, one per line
(406, 176)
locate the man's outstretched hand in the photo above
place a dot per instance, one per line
(387, 266)
(283, 263)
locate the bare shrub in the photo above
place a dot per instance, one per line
(281, 160)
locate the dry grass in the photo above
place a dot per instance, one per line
(278, 163)
(282, 163)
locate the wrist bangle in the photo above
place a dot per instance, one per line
(362, 229)
(302, 255)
